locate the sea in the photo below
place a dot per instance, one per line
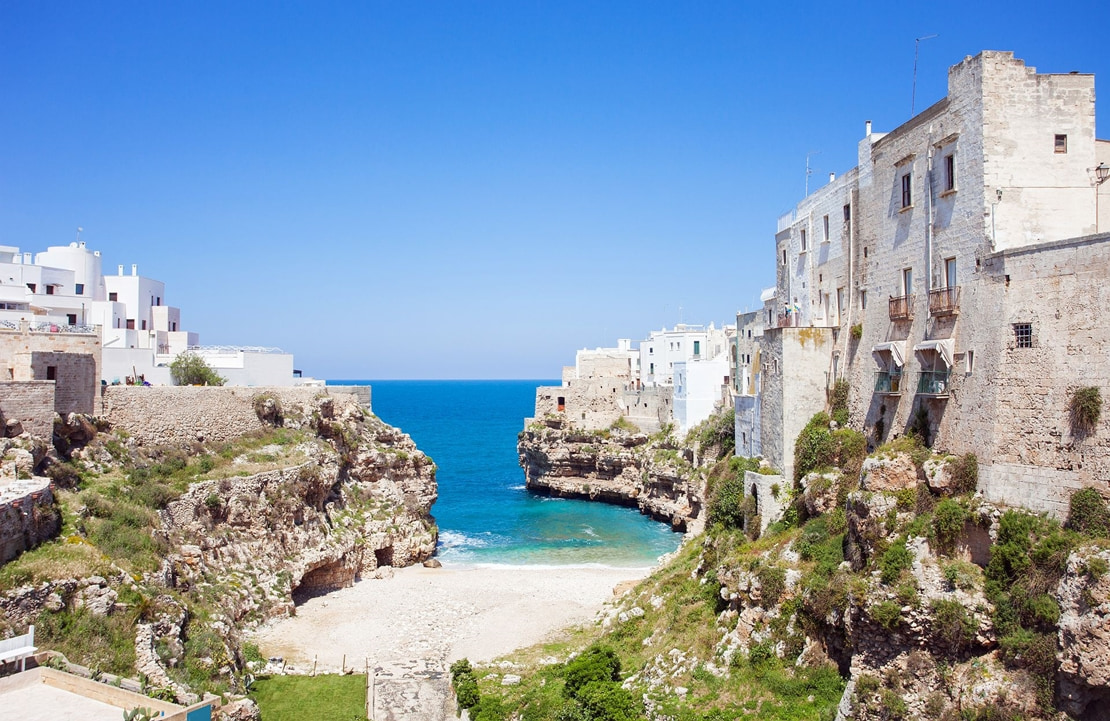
(484, 513)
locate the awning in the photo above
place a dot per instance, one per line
(897, 350)
(946, 348)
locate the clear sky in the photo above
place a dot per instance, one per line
(463, 189)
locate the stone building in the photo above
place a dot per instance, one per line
(47, 369)
(956, 278)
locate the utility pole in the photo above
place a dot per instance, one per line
(916, 44)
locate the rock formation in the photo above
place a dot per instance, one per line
(614, 466)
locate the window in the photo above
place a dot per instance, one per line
(970, 362)
(847, 212)
(803, 240)
(144, 325)
(1023, 335)
(697, 347)
(158, 300)
(865, 251)
(113, 296)
(784, 257)
(51, 373)
(1061, 145)
(79, 289)
(173, 326)
(950, 172)
(907, 194)
(50, 290)
(71, 318)
(949, 272)
(907, 281)
(32, 287)
(130, 324)
(863, 299)
(826, 229)
(651, 350)
(840, 300)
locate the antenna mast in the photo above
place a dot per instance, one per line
(913, 96)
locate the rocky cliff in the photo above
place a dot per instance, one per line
(623, 467)
(173, 550)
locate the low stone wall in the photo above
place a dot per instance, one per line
(769, 492)
(29, 402)
(28, 515)
(178, 415)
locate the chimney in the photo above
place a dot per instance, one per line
(832, 177)
(134, 269)
(867, 127)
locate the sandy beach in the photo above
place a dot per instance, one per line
(437, 615)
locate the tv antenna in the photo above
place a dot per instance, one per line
(809, 170)
(916, 45)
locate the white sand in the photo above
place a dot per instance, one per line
(434, 616)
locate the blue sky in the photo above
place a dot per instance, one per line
(460, 189)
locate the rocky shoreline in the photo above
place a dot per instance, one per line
(625, 468)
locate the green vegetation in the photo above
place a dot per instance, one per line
(818, 448)
(857, 331)
(1088, 513)
(189, 369)
(295, 698)
(839, 401)
(716, 435)
(964, 472)
(896, 559)
(1085, 408)
(623, 424)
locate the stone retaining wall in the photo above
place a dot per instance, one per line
(29, 402)
(178, 415)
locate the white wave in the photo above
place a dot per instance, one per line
(456, 540)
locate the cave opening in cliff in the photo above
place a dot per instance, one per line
(324, 579)
(384, 556)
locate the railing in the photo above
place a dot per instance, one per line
(9, 324)
(788, 320)
(944, 301)
(62, 328)
(234, 349)
(901, 308)
(933, 383)
(888, 383)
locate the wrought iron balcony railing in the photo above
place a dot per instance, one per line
(944, 301)
(901, 308)
(888, 383)
(934, 383)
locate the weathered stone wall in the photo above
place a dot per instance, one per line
(795, 373)
(178, 415)
(28, 515)
(29, 402)
(769, 492)
(75, 377)
(595, 403)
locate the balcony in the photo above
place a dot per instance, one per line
(788, 320)
(901, 308)
(944, 301)
(888, 383)
(933, 383)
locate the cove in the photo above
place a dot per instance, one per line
(484, 513)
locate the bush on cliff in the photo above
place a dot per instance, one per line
(189, 369)
(1088, 513)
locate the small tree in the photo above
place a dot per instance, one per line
(189, 369)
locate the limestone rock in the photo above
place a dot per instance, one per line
(820, 491)
(937, 475)
(433, 563)
(1084, 635)
(888, 474)
(243, 709)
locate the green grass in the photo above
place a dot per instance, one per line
(297, 698)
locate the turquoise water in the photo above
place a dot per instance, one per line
(484, 513)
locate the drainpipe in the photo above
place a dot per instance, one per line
(929, 216)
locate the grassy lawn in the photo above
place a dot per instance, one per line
(302, 698)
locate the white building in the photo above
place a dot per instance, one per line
(140, 334)
(684, 343)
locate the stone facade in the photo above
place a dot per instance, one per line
(30, 404)
(28, 515)
(956, 284)
(67, 357)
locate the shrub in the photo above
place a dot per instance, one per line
(953, 626)
(607, 702)
(772, 583)
(894, 560)
(596, 663)
(887, 614)
(813, 448)
(1088, 513)
(948, 522)
(464, 683)
(857, 331)
(623, 424)
(726, 501)
(718, 432)
(964, 472)
(1085, 408)
(189, 369)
